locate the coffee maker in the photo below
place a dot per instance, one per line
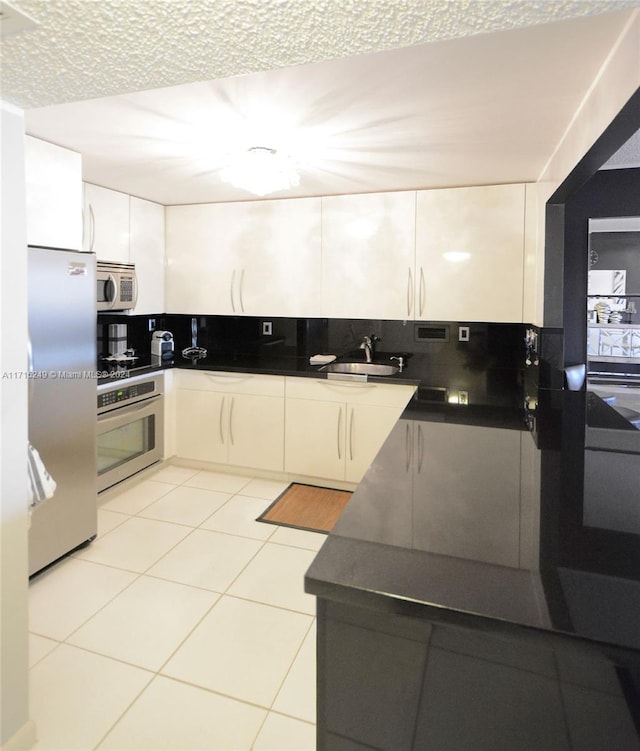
(161, 347)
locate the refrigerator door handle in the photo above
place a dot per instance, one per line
(30, 365)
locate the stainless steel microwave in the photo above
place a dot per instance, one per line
(117, 286)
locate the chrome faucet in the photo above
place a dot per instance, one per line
(368, 345)
(400, 360)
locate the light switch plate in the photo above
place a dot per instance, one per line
(267, 328)
(463, 333)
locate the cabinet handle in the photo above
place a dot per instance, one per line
(240, 291)
(422, 292)
(339, 431)
(409, 292)
(219, 378)
(92, 228)
(351, 435)
(221, 415)
(345, 384)
(231, 420)
(30, 367)
(233, 279)
(420, 449)
(408, 447)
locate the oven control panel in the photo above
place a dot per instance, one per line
(125, 393)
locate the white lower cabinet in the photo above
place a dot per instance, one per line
(334, 429)
(224, 418)
(314, 428)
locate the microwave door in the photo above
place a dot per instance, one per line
(107, 291)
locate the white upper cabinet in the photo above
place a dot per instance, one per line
(106, 223)
(54, 195)
(198, 276)
(147, 253)
(368, 255)
(453, 254)
(470, 253)
(249, 258)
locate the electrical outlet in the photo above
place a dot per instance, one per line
(463, 333)
(267, 328)
(463, 397)
(152, 324)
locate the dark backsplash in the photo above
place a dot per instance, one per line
(490, 368)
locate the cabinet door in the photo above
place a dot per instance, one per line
(470, 253)
(256, 431)
(368, 255)
(54, 195)
(201, 265)
(147, 252)
(277, 247)
(200, 426)
(258, 258)
(367, 429)
(315, 438)
(106, 220)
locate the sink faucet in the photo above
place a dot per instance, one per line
(400, 360)
(368, 345)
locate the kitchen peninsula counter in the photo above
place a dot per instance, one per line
(463, 602)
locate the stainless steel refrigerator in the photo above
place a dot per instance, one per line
(62, 399)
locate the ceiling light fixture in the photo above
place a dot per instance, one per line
(261, 170)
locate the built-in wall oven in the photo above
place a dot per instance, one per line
(130, 427)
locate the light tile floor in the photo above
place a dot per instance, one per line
(184, 625)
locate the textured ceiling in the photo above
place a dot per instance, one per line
(82, 49)
(388, 94)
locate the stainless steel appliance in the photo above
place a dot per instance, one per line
(130, 428)
(62, 386)
(116, 286)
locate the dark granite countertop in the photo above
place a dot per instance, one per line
(283, 365)
(266, 364)
(467, 514)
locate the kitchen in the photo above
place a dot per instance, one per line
(598, 123)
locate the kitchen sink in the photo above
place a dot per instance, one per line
(361, 368)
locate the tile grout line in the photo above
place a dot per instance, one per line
(145, 573)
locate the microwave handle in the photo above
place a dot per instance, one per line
(111, 287)
(135, 290)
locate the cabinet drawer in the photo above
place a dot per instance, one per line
(391, 395)
(237, 383)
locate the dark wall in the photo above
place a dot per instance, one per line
(584, 193)
(618, 250)
(609, 193)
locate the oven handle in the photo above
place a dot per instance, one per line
(126, 411)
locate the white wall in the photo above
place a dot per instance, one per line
(16, 730)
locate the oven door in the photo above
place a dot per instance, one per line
(130, 439)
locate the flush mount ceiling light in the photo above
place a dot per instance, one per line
(261, 171)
